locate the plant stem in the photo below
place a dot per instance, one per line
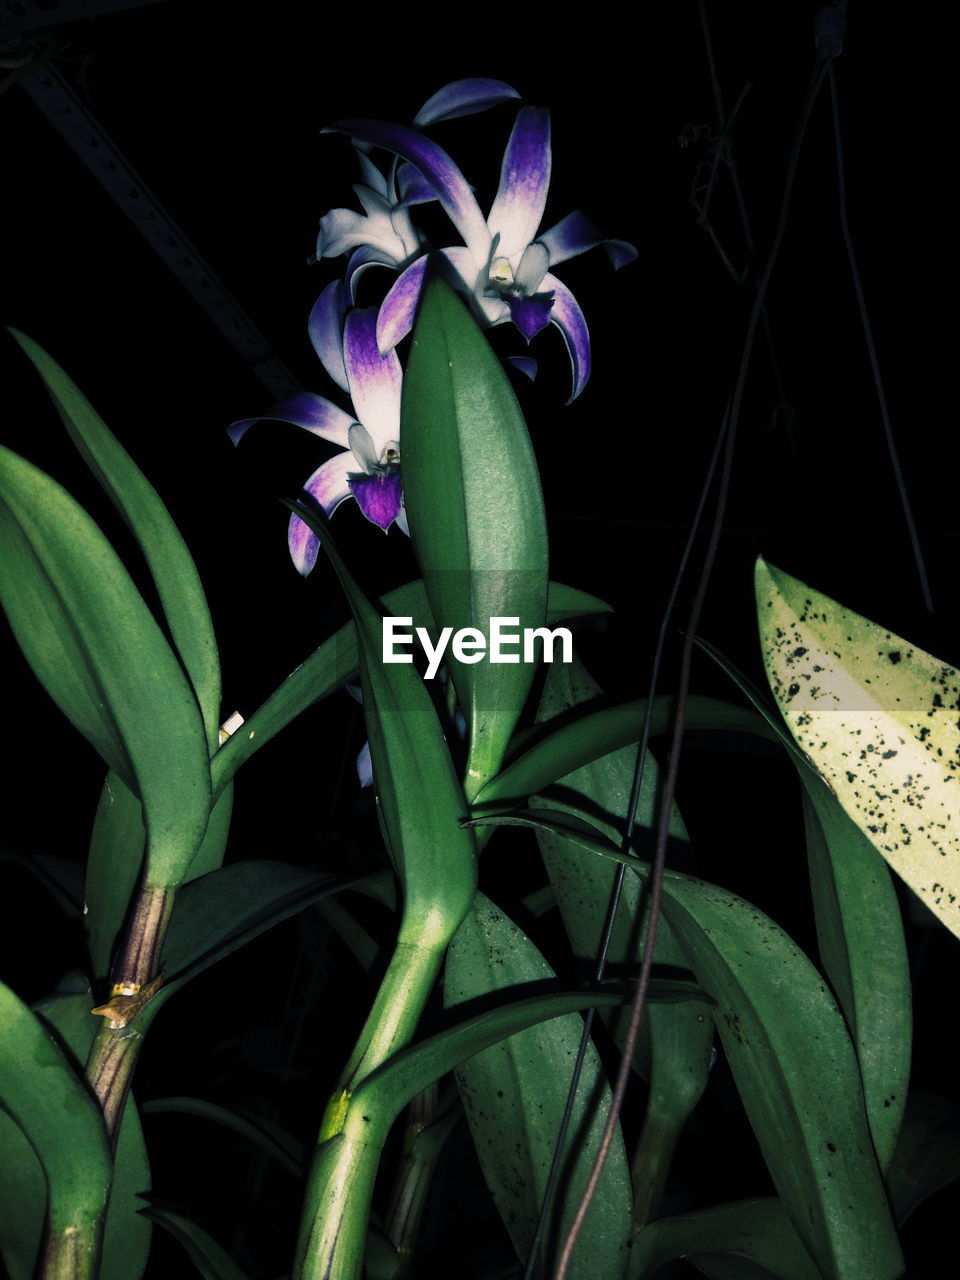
(429, 1123)
(117, 1044)
(72, 1252)
(340, 1187)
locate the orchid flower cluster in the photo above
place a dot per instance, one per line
(503, 269)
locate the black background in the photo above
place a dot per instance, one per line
(219, 110)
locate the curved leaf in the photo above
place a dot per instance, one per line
(210, 1259)
(860, 935)
(287, 1151)
(171, 565)
(520, 1087)
(421, 801)
(337, 662)
(473, 500)
(758, 1230)
(878, 719)
(98, 651)
(808, 1115)
(60, 1120)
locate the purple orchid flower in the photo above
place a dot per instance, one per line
(369, 467)
(384, 233)
(503, 264)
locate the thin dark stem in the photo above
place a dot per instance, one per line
(669, 788)
(872, 350)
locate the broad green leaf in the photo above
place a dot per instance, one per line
(554, 750)
(421, 800)
(171, 565)
(519, 1087)
(473, 500)
(860, 935)
(61, 1121)
(675, 1046)
(877, 717)
(98, 651)
(126, 1238)
(222, 911)
(62, 878)
(336, 662)
(927, 1157)
(808, 1114)
(758, 1231)
(210, 1259)
(390, 1087)
(288, 1153)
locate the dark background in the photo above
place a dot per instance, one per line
(219, 111)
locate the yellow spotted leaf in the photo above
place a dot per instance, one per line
(880, 721)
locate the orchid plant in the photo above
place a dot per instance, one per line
(472, 1004)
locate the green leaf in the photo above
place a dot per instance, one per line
(810, 1123)
(675, 1046)
(98, 651)
(337, 661)
(519, 1087)
(420, 797)
(171, 565)
(757, 1230)
(860, 935)
(62, 878)
(127, 1234)
(209, 1258)
(927, 1158)
(60, 1120)
(391, 1086)
(222, 911)
(554, 750)
(473, 500)
(878, 719)
(287, 1152)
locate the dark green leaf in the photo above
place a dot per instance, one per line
(336, 662)
(757, 1231)
(210, 1260)
(473, 500)
(860, 935)
(289, 1154)
(519, 1087)
(421, 800)
(98, 651)
(927, 1157)
(811, 1124)
(60, 1119)
(171, 565)
(61, 877)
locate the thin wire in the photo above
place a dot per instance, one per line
(669, 788)
(614, 901)
(871, 348)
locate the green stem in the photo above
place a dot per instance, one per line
(340, 1187)
(117, 1044)
(429, 1124)
(72, 1251)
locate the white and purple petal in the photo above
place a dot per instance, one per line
(524, 178)
(436, 166)
(398, 311)
(374, 378)
(576, 233)
(329, 485)
(311, 412)
(325, 327)
(463, 98)
(569, 319)
(357, 263)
